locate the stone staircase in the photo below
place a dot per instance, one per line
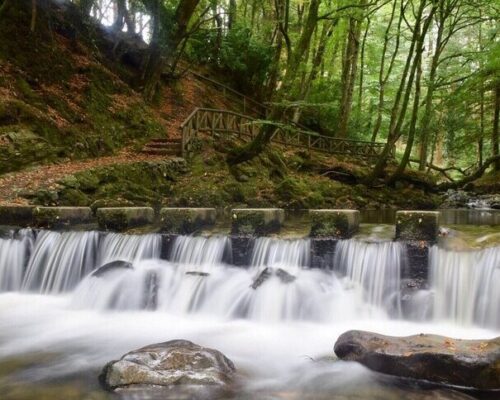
(163, 147)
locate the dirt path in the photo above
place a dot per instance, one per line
(14, 183)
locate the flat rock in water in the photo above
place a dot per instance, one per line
(466, 363)
(159, 366)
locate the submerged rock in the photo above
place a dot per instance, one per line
(283, 276)
(466, 363)
(112, 266)
(162, 365)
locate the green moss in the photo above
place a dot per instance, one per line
(417, 225)
(337, 224)
(122, 218)
(185, 220)
(256, 221)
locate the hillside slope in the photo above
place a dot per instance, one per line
(67, 96)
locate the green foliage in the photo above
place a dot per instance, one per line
(244, 56)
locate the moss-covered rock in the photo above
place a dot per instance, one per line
(56, 217)
(338, 224)
(122, 218)
(256, 221)
(186, 220)
(117, 185)
(417, 225)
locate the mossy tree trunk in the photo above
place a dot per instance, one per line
(495, 142)
(167, 35)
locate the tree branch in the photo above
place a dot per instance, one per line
(471, 178)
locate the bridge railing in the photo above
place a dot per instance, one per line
(223, 121)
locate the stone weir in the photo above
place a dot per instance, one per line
(418, 230)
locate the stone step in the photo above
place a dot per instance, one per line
(166, 140)
(161, 152)
(163, 145)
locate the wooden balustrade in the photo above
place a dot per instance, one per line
(229, 122)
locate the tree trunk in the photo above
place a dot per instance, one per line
(362, 68)
(161, 54)
(349, 75)
(326, 32)
(122, 17)
(383, 76)
(413, 126)
(403, 94)
(495, 146)
(428, 111)
(231, 14)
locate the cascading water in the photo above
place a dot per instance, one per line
(60, 260)
(465, 286)
(269, 317)
(200, 251)
(376, 267)
(14, 253)
(128, 247)
(286, 253)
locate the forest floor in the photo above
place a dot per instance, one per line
(13, 185)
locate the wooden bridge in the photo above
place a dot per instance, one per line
(243, 126)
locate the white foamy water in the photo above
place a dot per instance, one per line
(466, 286)
(271, 318)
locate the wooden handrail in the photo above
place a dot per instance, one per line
(244, 98)
(213, 120)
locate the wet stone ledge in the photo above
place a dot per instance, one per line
(16, 215)
(417, 225)
(334, 224)
(256, 221)
(58, 217)
(323, 252)
(185, 221)
(122, 218)
(241, 249)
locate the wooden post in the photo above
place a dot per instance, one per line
(244, 104)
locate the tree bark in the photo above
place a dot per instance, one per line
(231, 14)
(403, 94)
(161, 54)
(428, 111)
(349, 74)
(122, 18)
(384, 76)
(362, 67)
(495, 142)
(472, 177)
(413, 126)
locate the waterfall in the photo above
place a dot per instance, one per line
(279, 252)
(14, 253)
(376, 267)
(60, 260)
(465, 286)
(198, 277)
(196, 281)
(197, 251)
(131, 248)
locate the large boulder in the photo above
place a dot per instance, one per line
(167, 365)
(466, 363)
